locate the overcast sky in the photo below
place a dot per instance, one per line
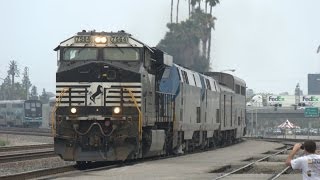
(272, 44)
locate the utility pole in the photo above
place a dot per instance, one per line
(27, 92)
(251, 123)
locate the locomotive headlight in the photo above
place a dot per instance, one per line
(100, 39)
(73, 110)
(103, 39)
(116, 110)
(97, 39)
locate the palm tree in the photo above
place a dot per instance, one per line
(193, 4)
(206, 6)
(212, 3)
(13, 72)
(26, 83)
(189, 4)
(177, 17)
(171, 11)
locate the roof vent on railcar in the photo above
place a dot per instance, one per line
(223, 78)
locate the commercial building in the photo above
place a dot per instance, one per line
(313, 84)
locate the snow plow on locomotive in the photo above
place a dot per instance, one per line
(119, 99)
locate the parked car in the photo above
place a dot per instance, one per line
(313, 131)
(297, 131)
(277, 131)
(304, 131)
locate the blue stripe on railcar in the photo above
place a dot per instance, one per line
(170, 81)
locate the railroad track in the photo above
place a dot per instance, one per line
(27, 147)
(250, 166)
(25, 132)
(55, 172)
(39, 173)
(22, 153)
(26, 155)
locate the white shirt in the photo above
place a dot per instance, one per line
(310, 166)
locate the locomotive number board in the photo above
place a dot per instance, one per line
(82, 39)
(110, 39)
(119, 39)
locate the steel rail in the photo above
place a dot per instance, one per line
(27, 147)
(39, 173)
(25, 133)
(252, 163)
(23, 156)
(276, 176)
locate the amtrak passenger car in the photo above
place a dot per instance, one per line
(118, 99)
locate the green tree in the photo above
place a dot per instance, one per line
(44, 97)
(34, 93)
(13, 71)
(184, 38)
(5, 89)
(212, 3)
(26, 83)
(18, 92)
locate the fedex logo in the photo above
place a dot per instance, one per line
(277, 98)
(312, 98)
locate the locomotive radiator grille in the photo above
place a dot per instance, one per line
(99, 94)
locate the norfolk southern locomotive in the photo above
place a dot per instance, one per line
(119, 99)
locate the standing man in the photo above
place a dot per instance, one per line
(309, 163)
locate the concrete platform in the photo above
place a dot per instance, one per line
(262, 177)
(194, 166)
(291, 177)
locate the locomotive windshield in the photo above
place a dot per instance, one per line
(80, 54)
(110, 54)
(121, 54)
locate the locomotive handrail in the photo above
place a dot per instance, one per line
(140, 114)
(57, 104)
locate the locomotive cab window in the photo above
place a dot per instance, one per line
(166, 73)
(121, 54)
(208, 84)
(17, 105)
(80, 54)
(237, 89)
(243, 91)
(27, 105)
